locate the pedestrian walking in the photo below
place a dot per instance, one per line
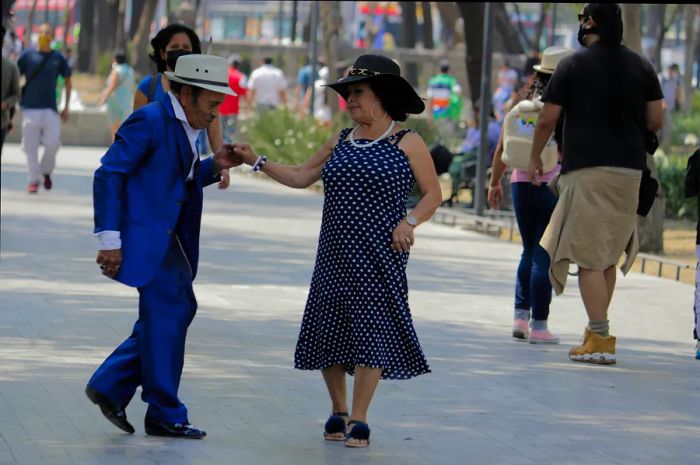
(41, 123)
(533, 206)
(267, 87)
(671, 86)
(148, 208)
(611, 97)
(230, 109)
(169, 44)
(304, 82)
(321, 107)
(119, 91)
(445, 98)
(357, 318)
(10, 95)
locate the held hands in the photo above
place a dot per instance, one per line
(402, 238)
(246, 153)
(226, 157)
(110, 261)
(535, 171)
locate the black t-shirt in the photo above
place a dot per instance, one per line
(603, 92)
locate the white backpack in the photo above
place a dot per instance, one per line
(518, 133)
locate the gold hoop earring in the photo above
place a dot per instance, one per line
(371, 112)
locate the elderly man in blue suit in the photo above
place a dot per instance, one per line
(148, 206)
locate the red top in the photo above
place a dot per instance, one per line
(237, 82)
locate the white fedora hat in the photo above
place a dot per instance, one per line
(206, 71)
(551, 58)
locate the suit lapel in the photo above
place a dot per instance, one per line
(183, 144)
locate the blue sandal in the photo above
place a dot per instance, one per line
(335, 424)
(359, 431)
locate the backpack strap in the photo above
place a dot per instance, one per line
(152, 88)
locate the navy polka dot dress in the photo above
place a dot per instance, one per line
(357, 312)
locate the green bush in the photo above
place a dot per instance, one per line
(671, 171)
(690, 124)
(104, 64)
(283, 136)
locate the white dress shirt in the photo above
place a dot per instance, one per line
(111, 240)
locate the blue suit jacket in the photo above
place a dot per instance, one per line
(139, 190)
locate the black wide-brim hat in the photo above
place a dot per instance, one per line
(378, 67)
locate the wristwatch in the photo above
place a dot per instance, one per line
(411, 220)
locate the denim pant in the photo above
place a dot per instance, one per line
(533, 207)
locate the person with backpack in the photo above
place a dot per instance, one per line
(612, 100)
(533, 205)
(169, 44)
(41, 122)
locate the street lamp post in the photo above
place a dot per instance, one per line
(484, 112)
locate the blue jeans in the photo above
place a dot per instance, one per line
(533, 207)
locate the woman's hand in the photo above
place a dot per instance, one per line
(495, 196)
(402, 238)
(246, 152)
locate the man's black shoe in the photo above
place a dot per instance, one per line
(173, 430)
(116, 415)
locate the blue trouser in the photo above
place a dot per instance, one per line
(533, 207)
(153, 355)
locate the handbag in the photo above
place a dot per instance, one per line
(648, 187)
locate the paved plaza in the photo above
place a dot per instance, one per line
(490, 400)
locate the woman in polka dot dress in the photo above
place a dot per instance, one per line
(357, 319)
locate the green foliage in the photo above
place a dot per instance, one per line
(104, 64)
(671, 172)
(284, 136)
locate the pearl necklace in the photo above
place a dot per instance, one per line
(369, 144)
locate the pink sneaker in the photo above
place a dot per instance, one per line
(543, 336)
(520, 329)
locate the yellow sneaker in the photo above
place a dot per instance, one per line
(595, 349)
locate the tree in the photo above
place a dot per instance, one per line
(136, 11)
(66, 25)
(651, 228)
(120, 40)
(662, 28)
(632, 32)
(107, 13)
(427, 30)
(331, 26)
(691, 42)
(138, 47)
(30, 25)
(407, 38)
(86, 39)
(450, 15)
(473, 24)
(532, 42)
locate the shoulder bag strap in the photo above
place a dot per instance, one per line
(38, 69)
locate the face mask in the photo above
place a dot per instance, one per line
(173, 55)
(44, 41)
(583, 32)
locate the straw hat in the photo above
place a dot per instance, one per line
(551, 58)
(206, 71)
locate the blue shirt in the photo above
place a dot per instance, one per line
(304, 77)
(145, 86)
(41, 91)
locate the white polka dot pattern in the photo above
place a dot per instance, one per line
(357, 312)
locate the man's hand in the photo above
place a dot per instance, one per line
(535, 171)
(110, 261)
(226, 158)
(64, 115)
(225, 179)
